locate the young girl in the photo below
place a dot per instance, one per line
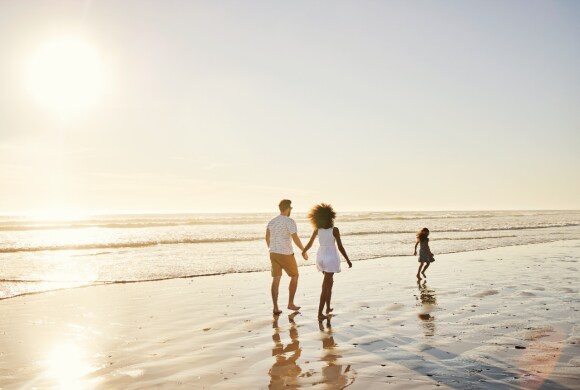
(425, 255)
(327, 259)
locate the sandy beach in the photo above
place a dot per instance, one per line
(499, 318)
(156, 155)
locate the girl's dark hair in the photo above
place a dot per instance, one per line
(322, 216)
(422, 234)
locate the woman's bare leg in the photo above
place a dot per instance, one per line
(322, 299)
(329, 284)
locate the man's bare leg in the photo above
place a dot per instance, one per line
(275, 288)
(292, 291)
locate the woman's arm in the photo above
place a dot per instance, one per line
(336, 234)
(309, 245)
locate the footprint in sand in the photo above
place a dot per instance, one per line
(395, 306)
(527, 294)
(485, 293)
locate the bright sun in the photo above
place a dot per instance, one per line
(65, 75)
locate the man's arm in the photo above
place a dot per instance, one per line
(268, 237)
(297, 241)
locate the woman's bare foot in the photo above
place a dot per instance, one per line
(293, 307)
(321, 317)
(423, 273)
(330, 310)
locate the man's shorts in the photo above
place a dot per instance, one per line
(283, 262)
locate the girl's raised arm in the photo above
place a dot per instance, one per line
(336, 234)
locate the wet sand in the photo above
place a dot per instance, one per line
(499, 318)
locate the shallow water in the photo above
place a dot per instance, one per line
(45, 255)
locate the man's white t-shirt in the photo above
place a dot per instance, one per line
(281, 229)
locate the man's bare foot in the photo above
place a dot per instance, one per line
(328, 311)
(277, 312)
(321, 317)
(293, 307)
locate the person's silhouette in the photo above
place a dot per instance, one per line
(285, 370)
(427, 301)
(333, 374)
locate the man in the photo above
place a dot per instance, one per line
(280, 233)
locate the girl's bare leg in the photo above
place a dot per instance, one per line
(425, 269)
(419, 271)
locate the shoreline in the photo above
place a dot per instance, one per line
(300, 265)
(461, 329)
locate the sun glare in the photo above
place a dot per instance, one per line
(65, 75)
(67, 365)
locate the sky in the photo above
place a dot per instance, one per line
(230, 106)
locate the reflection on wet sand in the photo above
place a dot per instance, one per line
(66, 365)
(334, 377)
(285, 371)
(427, 302)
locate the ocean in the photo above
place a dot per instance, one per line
(37, 256)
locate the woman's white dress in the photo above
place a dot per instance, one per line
(327, 258)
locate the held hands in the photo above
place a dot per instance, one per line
(305, 255)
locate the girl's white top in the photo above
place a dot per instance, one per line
(327, 258)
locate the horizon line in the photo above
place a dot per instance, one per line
(174, 212)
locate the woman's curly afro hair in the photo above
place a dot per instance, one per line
(322, 216)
